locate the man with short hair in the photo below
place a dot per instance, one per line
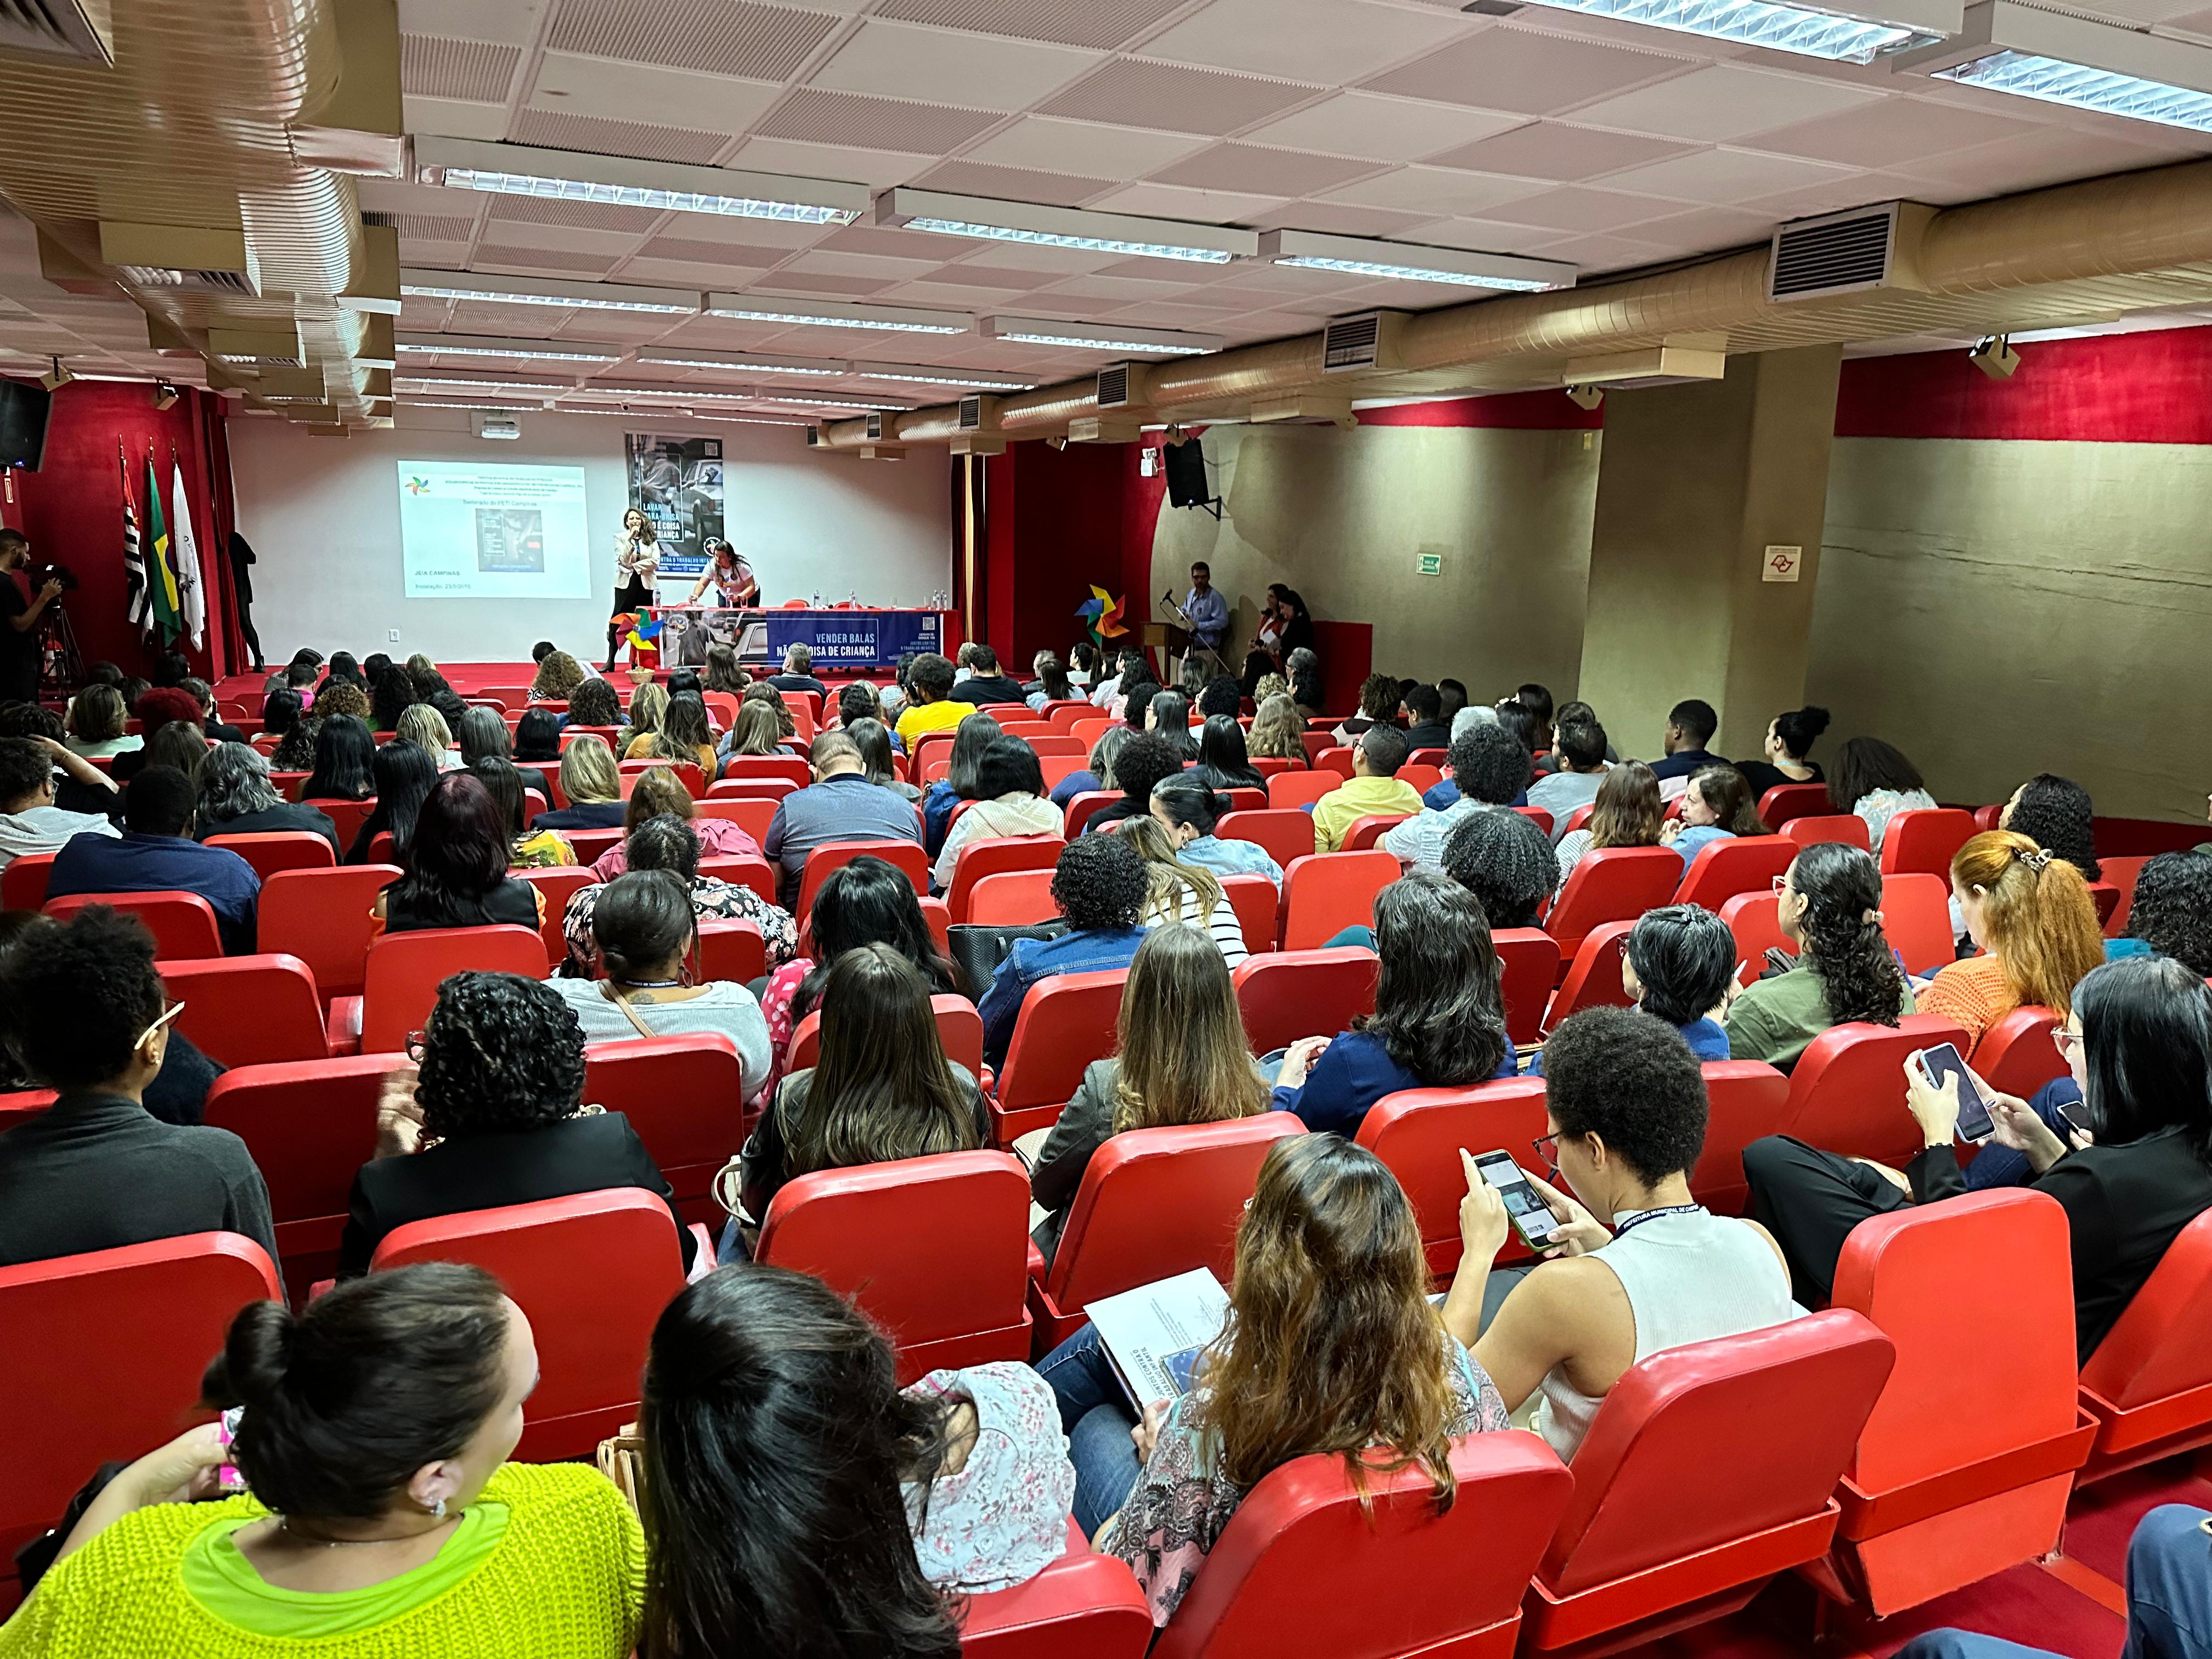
(1220, 695)
(20, 619)
(799, 673)
(29, 820)
(1425, 726)
(932, 708)
(987, 682)
(204, 694)
(840, 805)
(1489, 768)
(1580, 747)
(156, 854)
(1375, 787)
(1691, 724)
(1208, 610)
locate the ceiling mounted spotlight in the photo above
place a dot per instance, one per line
(1994, 357)
(58, 379)
(165, 395)
(1586, 396)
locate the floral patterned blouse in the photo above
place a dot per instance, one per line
(777, 1000)
(711, 900)
(1003, 1519)
(1182, 1501)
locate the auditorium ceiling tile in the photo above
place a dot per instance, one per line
(1555, 149)
(571, 238)
(1023, 256)
(1177, 98)
(966, 178)
(439, 66)
(976, 71)
(1260, 171)
(1480, 236)
(1438, 191)
(1090, 148)
(1329, 41)
(1509, 68)
(1124, 290)
(1705, 230)
(1176, 202)
(831, 262)
(1337, 218)
(452, 117)
(617, 91)
(855, 163)
(1725, 102)
(1099, 23)
(1574, 208)
(1720, 176)
(1379, 128)
(517, 22)
(1893, 131)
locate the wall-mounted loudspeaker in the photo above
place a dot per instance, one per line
(1185, 466)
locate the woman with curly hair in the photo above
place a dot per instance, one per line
(2057, 814)
(1378, 706)
(2172, 914)
(1506, 861)
(296, 753)
(499, 1088)
(593, 703)
(392, 696)
(342, 697)
(557, 679)
(1331, 1347)
(1830, 907)
(1278, 731)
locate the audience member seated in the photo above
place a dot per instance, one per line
(345, 758)
(558, 675)
(180, 746)
(2057, 814)
(660, 791)
(1534, 701)
(1875, 781)
(1140, 685)
(987, 683)
(202, 696)
(425, 728)
(236, 799)
(383, 1516)
(29, 820)
(2138, 1041)
(1128, 664)
(840, 805)
(1100, 887)
(1082, 663)
(1180, 892)
(163, 706)
(648, 706)
(592, 783)
(797, 673)
(1489, 768)
(1789, 738)
(1629, 811)
(96, 720)
(1217, 695)
(1717, 806)
(1425, 726)
(1378, 706)
(526, 849)
(1690, 726)
(686, 734)
(1438, 1020)
(594, 703)
(343, 697)
(670, 844)
(84, 1013)
(2031, 913)
(1625, 1116)
(1222, 761)
(2172, 912)
(1142, 760)
(1189, 812)
(281, 710)
(537, 740)
(1829, 905)
(866, 1508)
(457, 862)
(1179, 1056)
(758, 728)
(1277, 731)
(858, 700)
(1577, 772)
(498, 1087)
(934, 707)
(1010, 801)
(1100, 764)
(390, 694)
(873, 739)
(881, 1091)
(296, 750)
(81, 787)
(1331, 1347)
(1373, 787)
(1051, 685)
(942, 796)
(1503, 859)
(405, 774)
(156, 853)
(1168, 715)
(1302, 668)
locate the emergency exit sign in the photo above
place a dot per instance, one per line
(1431, 564)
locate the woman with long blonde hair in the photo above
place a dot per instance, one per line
(1181, 1057)
(1628, 812)
(1183, 892)
(592, 783)
(647, 704)
(2032, 915)
(1277, 731)
(1331, 1347)
(425, 728)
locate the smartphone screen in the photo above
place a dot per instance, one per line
(1943, 1061)
(2074, 1117)
(1531, 1217)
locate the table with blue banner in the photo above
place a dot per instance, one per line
(840, 639)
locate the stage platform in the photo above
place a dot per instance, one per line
(470, 678)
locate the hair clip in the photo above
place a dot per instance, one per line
(2038, 860)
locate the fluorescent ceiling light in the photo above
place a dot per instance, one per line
(897, 319)
(1361, 255)
(754, 420)
(487, 346)
(592, 388)
(922, 374)
(1101, 336)
(2054, 82)
(1051, 227)
(1759, 23)
(751, 361)
(539, 291)
(621, 181)
(495, 408)
(2058, 59)
(802, 401)
(496, 386)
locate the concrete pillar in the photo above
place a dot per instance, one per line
(1694, 484)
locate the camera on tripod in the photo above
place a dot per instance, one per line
(40, 574)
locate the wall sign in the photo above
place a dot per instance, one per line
(1780, 564)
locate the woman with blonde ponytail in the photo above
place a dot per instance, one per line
(2032, 915)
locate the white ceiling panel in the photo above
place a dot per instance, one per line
(849, 163)
(1091, 148)
(1379, 129)
(1329, 41)
(1444, 192)
(452, 118)
(625, 92)
(1724, 101)
(517, 22)
(1729, 175)
(975, 71)
(1172, 202)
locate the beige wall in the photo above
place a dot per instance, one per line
(1996, 609)
(1343, 517)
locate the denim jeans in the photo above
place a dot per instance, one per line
(1096, 1417)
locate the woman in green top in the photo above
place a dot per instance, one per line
(373, 1435)
(1830, 906)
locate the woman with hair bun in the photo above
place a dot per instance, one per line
(1789, 738)
(381, 1516)
(1830, 906)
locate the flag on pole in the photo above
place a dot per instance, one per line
(187, 558)
(135, 598)
(163, 578)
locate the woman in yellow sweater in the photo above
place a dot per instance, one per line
(381, 1522)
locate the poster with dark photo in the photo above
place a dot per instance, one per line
(678, 483)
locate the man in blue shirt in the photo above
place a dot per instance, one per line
(1208, 611)
(840, 805)
(1100, 886)
(155, 854)
(1690, 726)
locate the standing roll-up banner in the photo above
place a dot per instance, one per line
(677, 482)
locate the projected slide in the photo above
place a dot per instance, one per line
(474, 530)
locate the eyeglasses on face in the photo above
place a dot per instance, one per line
(1546, 1148)
(2067, 1042)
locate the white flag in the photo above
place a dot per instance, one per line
(184, 555)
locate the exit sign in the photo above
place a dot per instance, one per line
(1431, 564)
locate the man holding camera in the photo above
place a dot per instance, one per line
(19, 621)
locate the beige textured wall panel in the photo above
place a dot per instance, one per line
(1343, 517)
(1998, 609)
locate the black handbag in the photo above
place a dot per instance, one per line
(977, 952)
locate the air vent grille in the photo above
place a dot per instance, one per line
(58, 28)
(875, 427)
(190, 281)
(1114, 386)
(1843, 253)
(1349, 342)
(814, 437)
(971, 414)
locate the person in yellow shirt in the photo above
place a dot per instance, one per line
(1375, 787)
(933, 709)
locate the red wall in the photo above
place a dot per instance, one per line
(2114, 388)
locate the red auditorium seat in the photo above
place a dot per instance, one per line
(1847, 1089)
(752, 768)
(23, 882)
(248, 1011)
(751, 815)
(281, 850)
(1336, 759)
(2149, 1383)
(771, 790)
(346, 817)
(1153, 1203)
(1082, 808)
(322, 917)
(288, 784)
(996, 855)
(1081, 1606)
(1066, 1023)
(1429, 1583)
(1935, 1498)
(1579, 818)
(1016, 898)
(689, 774)
(1916, 919)
(1243, 798)
(685, 1097)
(2016, 1055)
(1066, 714)
(959, 1028)
(515, 699)
(1754, 920)
(1366, 831)
(2107, 897)
(2121, 872)
(22, 1105)
(1537, 816)
(310, 1127)
(1745, 1099)
(1268, 765)
(904, 855)
(1722, 869)
(1529, 958)
(1297, 789)
(183, 924)
(1923, 842)
(400, 986)
(1421, 776)
(1593, 978)
(1087, 729)
(1288, 994)
(590, 843)
(1418, 1132)
(591, 1328)
(1708, 1470)
(742, 871)
(1786, 802)
(1282, 833)
(928, 747)
(1614, 884)
(1848, 828)
(613, 736)
(1324, 893)
(1256, 903)
(962, 1301)
(1058, 768)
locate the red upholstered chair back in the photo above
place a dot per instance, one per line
(2150, 1379)
(1082, 808)
(1325, 893)
(1158, 1202)
(346, 817)
(2107, 897)
(280, 849)
(1787, 802)
(1744, 1100)
(959, 1301)
(906, 856)
(321, 916)
(1923, 842)
(750, 814)
(1338, 760)
(23, 882)
(559, 883)
(1285, 833)
(1066, 1023)
(1723, 869)
(1418, 1133)
(2121, 872)
(685, 1097)
(1244, 799)
(1847, 1091)
(732, 949)
(1530, 959)
(1081, 1606)
(1811, 830)
(1257, 905)
(688, 773)
(1285, 995)
(739, 871)
(1755, 921)
(1427, 1582)
(1537, 816)
(591, 1272)
(959, 1028)
(183, 924)
(771, 790)
(405, 969)
(995, 855)
(1017, 898)
(1592, 979)
(1297, 789)
(105, 1355)
(248, 1011)
(2016, 1055)
(1366, 831)
(751, 768)
(1614, 884)
(1916, 918)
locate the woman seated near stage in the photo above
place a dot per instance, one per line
(592, 783)
(670, 844)
(941, 797)
(683, 735)
(660, 791)
(1052, 682)
(1223, 762)
(755, 732)
(345, 750)
(723, 673)
(1278, 731)
(457, 867)
(425, 728)
(648, 703)
(405, 776)
(558, 677)
(537, 739)
(873, 739)
(1099, 768)
(594, 703)
(1009, 802)
(527, 850)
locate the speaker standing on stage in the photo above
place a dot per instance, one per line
(732, 578)
(19, 621)
(637, 562)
